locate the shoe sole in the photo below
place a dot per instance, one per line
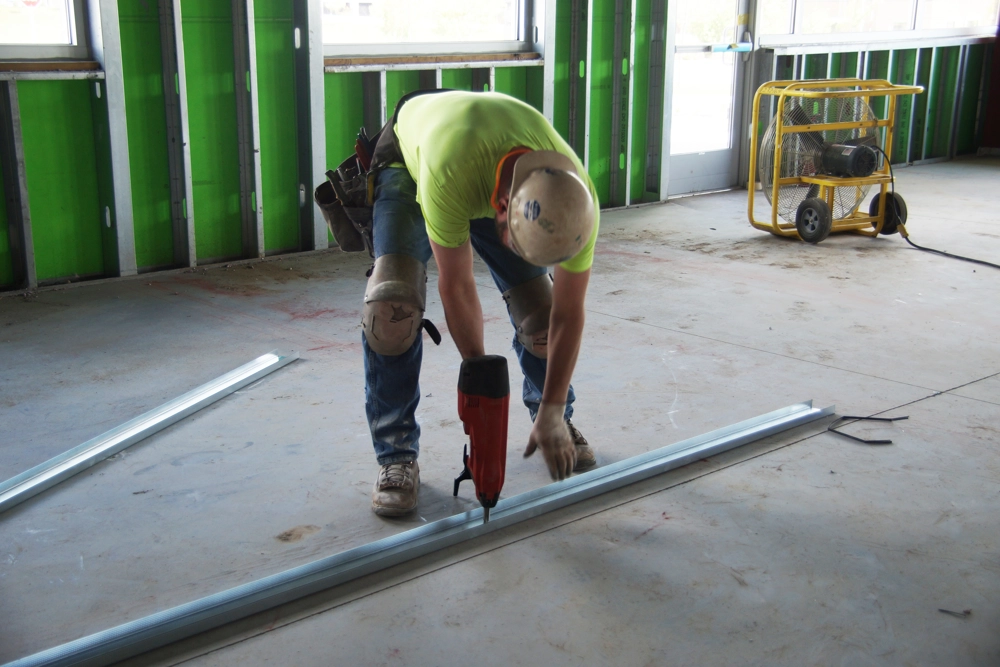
(393, 511)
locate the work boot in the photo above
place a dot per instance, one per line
(395, 492)
(585, 457)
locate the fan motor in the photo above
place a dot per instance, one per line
(848, 161)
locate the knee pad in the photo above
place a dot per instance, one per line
(529, 305)
(394, 304)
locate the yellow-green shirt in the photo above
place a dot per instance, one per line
(452, 142)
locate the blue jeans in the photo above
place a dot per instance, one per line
(392, 384)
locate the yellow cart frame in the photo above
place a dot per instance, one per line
(860, 223)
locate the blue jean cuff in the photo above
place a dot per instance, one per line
(389, 459)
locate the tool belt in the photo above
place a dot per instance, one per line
(347, 196)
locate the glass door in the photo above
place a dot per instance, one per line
(710, 41)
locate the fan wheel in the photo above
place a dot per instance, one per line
(895, 212)
(813, 220)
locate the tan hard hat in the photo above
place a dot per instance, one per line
(551, 212)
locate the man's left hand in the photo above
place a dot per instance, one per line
(551, 435)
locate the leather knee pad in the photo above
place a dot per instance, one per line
(529, 305)
(394, 304)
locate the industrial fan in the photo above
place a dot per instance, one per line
(828, 160)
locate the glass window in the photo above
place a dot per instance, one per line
(937, 14)
(705, 22)
(775, 17)
(36, 22)
(834, 16)
(423, 21)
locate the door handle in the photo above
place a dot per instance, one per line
(735, 47)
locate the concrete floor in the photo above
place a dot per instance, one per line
(805, 548)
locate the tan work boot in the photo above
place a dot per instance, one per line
(585, 457)
(395, 492)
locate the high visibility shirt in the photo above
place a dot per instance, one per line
(452, 142)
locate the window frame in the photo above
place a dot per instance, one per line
(80, 49)
(527, 32)
(894, 39)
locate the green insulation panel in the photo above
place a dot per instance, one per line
(924, 103)
(815, 66)
(878, 68)
(946, 83)
(215, 158)
(640, 102)
(534, 87)
(105, 176)
(456, 79)
(968, 105)
(512, 81)
(6, 259)
(602, 97)
(279, 155)
(524, 83)
(61, 165)
(562, 70)
(905, 66)
(398, 84)
(149, 165)
(345, 113)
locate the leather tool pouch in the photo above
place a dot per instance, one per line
(348, 194)
(343, 199)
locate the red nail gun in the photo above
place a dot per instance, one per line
(483, 400)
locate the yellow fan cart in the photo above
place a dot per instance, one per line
(822, 153)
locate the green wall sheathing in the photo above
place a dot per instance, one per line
(535, 87)
(905, 63)
(512, 81)
(562, 70)
(966, 143)
(640, 102)
(785, 70)
(149, 165)
(456, 79)
(946, 84)
(105, 177)
(524, 83)
(878, 68)
(920, 109)
(815, 66)
(60, 159)
(279, 155)
(6, 259)
(602, 98)
(398, 84)
(215, 158)
(345, 113)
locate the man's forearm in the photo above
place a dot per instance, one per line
(457, 287)
(565, 333)
(464, 315)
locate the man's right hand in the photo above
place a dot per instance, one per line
(551, 435)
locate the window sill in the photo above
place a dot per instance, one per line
(11, 70)
(430, 62)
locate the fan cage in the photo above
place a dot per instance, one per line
(801, 151)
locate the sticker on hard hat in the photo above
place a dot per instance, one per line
(532, 209)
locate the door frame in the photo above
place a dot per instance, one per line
(742, 90)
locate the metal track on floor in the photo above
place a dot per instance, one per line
(160, 629)
(46, 475)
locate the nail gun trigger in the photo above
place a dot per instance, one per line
(466, 473)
